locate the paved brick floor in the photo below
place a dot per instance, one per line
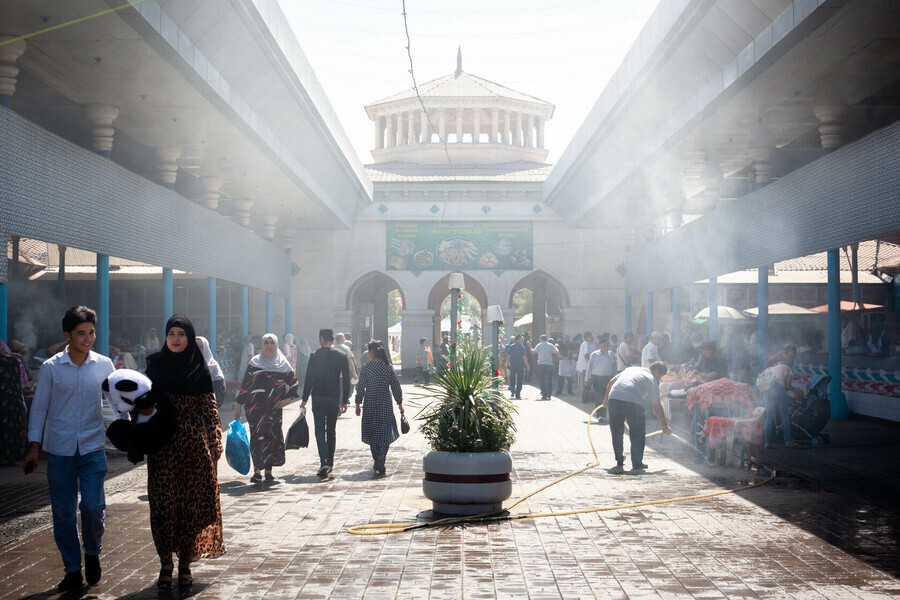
(289, 540)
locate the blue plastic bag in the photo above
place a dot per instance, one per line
(237, 448)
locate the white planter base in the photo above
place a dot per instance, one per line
(467, 483)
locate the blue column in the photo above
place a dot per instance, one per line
(649, 313)
(103, 304)
(5, 100)
(288, 323)
(167, 290)
(245, 311)
(839, 408)
(103, 153)
(713, 308)
(4, 307)
(676, 317)
(211, 315)
(762, 303)
(268, 312)
(627, 297)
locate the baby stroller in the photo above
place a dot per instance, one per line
(814, 412)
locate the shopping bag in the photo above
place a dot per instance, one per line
(298, 434)
(766, 380)
(237, 448)
(404, 424)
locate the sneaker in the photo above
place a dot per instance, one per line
(92, 569)
(257, 478)
(639, 467)
(72, 582)
(323, 472)
(617, 470)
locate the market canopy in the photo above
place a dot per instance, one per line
(724, 312)
(781, 308)
(525, 320)
(850, 306)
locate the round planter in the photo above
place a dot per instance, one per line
(467, 483)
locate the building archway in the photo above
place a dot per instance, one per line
(375, 300)
(548, 297)
(440, 293)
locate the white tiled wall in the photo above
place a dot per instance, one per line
(873, 405)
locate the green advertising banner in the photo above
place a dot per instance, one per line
(477, 245)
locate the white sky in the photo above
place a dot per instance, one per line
(561, 51)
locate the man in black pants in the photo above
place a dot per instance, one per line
(623, 399)
(327, 366)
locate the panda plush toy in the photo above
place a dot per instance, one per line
(130, 394)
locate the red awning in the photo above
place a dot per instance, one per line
(848, 306)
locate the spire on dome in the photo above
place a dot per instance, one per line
(459, 61)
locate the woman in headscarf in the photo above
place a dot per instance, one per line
(13, 416)
(303, 352)
(185, 515)
(377, 381)
(268, 386)
(215, 371)
(290, 350)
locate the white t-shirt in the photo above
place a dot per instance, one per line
(649, 354)
(582, 362)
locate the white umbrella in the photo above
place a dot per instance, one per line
(781, 308)
(525, 320)
(724, 312)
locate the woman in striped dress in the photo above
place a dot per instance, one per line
(377, 381)
(268, 386)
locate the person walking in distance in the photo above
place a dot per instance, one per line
(518, 365)
(67, 415)
(601, 368)
(327, 366)
(544, 352)
(624, 398)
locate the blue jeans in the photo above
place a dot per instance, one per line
(66, 474)
(325, 411)
(621, 412)
(777, 403)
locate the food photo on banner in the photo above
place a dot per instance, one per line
(432, 246)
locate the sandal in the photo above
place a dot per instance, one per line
(165, 577)
(184, 577)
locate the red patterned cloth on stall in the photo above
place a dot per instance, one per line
(721, 391)
(750, 430)
(717, 429)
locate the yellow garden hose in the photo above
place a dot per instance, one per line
(497, 515)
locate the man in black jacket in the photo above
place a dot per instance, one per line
(327, 366)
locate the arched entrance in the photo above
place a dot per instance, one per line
(473, 304)
(376, 300)
(545, 296)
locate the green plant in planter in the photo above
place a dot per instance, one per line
(465, 412)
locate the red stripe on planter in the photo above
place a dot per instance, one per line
(445, 478)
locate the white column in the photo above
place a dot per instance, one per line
(268, 227)
(379, 132)
(411, 129)
(528, 131)
(476, 125)
(389, 138)
(495, 125)
(9, 70)
(459, 120)
(540, 132)
(101, 117)
(831, 116)
(762, 164)
(507, 131)
(167, 165)
(401, 129)
(242, 213)
(442, 124)
(211, 186)
(517, 134)
(426, 129)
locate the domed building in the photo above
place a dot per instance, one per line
(457, 186)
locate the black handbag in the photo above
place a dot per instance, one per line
(404, 424)
(298, 435)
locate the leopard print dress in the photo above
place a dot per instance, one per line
(185, 515)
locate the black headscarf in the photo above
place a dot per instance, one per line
(182, 372)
